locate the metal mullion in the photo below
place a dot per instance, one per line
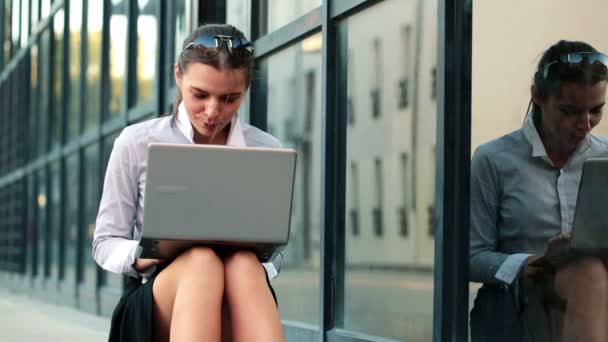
(333, 178)
(130, 91)
(62, 219)
(65, 80)
(51, 74)
(105, 62)
(61, 230)
(450, 314)
(258, 90)
(23, 244)
(169, 54)
(80, 220)
(304, 26)
(84, 56)
(259, 22)
(47, 217)
(161, 57)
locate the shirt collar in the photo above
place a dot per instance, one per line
(538, 148)
(235, 136)
(531, 134)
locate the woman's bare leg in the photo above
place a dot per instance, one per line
(253, 312)
(584, 285)
(188, 298)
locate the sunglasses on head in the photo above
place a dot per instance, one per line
(210, 46)
(595, 62)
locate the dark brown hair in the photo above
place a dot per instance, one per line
(223, 60)
(547, 80)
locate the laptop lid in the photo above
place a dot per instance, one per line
(590, 226)
(218, 193)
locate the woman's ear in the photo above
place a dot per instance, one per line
(177, 75)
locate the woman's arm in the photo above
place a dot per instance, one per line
(485, 261)
(113, 246)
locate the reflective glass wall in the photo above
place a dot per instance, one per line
(505, 59)
(353, 86)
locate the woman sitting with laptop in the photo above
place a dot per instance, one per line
(192, 297)
(523, 195)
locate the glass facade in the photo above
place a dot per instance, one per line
(147, 50)
(294, 99)
(355, 87)
(500, 99)
(390, 197)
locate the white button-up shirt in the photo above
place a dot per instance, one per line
(119, 223)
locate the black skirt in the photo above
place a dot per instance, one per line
(132, 319)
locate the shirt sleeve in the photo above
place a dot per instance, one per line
(114, 248)
(484, 260)
(510, 268)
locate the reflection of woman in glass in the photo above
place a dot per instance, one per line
(523, 192)
(190, 297)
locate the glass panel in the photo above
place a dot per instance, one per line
(35, 15)
(35, 98)
(43, 114)
(57, 112)
(111, 279)
(91, 197)
(71, 217)
(294, 106)
(16, 29)
(533, 206)
(238, 13)
(54, 205)
(147, 37)
(73, 114)
(180, 28)
(41, 222)
(93, 69)
(281, 12)
(25, 14)
(7, 22)
(118, 55)
(45, 8)
(390, 171)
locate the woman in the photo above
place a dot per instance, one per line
(523, 192)
(183, 299)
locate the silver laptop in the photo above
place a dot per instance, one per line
(220, 196)
(590, 226)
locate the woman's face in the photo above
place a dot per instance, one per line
(571, 113)
(211, 96)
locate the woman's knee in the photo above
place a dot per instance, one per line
(588, 274)
(200, 261)
(243, 269)
(592, 271)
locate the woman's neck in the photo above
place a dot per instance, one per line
(556, 151)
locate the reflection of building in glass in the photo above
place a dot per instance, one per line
(391, 135)
(294, 86)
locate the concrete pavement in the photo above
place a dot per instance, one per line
(31, 320)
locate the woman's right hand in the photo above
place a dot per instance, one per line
(141, 265)
(558, 244)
